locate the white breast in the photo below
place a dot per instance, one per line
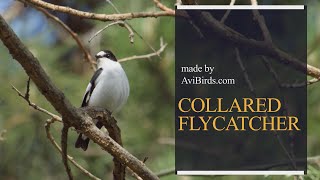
(112, 89)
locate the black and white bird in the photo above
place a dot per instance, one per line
(108, 88)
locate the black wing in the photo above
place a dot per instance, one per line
(91, 87)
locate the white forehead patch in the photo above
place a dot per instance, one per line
(101, 53)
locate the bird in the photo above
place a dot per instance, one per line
(108, 89)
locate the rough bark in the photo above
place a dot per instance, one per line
(73, 116)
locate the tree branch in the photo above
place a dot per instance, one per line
(163, 7)
(309, 160)
(265, 31)
(226, 14)
(129, 25)
(55, 144)
(254, 2)
(254, 94)
(74, 35)
(146, 56)
(166, 172)
(101, 17)
(34, 106)
(64, 151)
(298, 85)
(105, 117)
(121, 23)
(110, 124)
(205, 19)
(73, 116)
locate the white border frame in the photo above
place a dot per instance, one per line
(203, 7)
(204, 173)
(239, 7)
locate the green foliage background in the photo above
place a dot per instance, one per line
(146, 120)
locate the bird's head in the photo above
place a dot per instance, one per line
(105, 56)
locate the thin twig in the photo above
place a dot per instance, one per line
(139, 35)
(312, 81)
(261, 21)
(263, 48)
(166, 172)
(268, 39)
(299, 85)
(314, 160)
(131, 34)
(253, 92)
(123, 24)
(232, 2)
(101, 17)
(273, 165)
(74, 35)
(64, 148)
(55, 144)
(146, 56)
(314, 45)
(34, 106)
(254, 2)
(225, 16)
(167, 141)
(133, 174)
(282, 98)
(163, 7)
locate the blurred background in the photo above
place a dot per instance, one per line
(146, 121)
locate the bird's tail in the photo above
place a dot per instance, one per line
(82, 142)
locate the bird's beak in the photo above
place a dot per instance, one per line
(97, 56)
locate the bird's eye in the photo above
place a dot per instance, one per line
(108, 55)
